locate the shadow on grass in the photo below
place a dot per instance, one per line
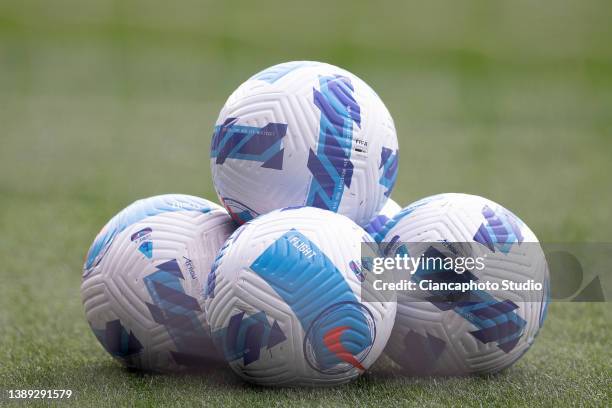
(386, 370)
(104, 375)
(107, 373)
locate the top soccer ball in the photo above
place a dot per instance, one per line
(304, 133)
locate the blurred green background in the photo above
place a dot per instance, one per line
(105, 102)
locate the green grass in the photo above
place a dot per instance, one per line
(102, 103)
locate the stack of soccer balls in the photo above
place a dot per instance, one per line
(304, 157)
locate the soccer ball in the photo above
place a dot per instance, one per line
(481, 331)
(143, 277)
(304, 133)
(284, 300)
(377, 223)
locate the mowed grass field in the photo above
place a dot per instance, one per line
(103, 103)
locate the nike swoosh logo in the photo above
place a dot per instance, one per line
(333, 343)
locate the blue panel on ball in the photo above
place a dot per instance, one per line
(245, 336)
(376, 225)
(496, 320)
(177, 312)
(146, 248)
(389, 161)
(116, 340)
(311, 285)
(232, 141)
(331, 166)
(500, 230)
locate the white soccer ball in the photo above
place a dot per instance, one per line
(304, 133)
(143, 278)
(284, 300)
(376, 224)
(479, 331)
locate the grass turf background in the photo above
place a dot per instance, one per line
(102, 103)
